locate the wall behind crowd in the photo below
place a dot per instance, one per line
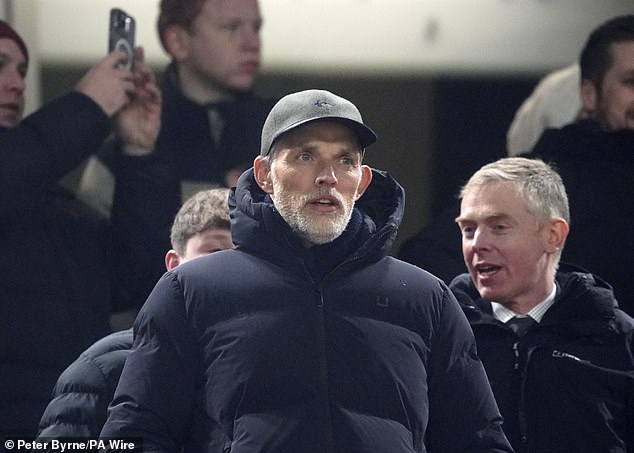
(438, 80)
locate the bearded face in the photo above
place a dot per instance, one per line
(317, 218)
(314, 178)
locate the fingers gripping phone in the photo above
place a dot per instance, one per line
(121, 35)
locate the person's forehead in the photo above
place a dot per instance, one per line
(229, 9)
(622, 54)
(10, 49)
(494, 195)
(216, 237)
(213, 232)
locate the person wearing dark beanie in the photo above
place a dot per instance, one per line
(6, 31)
(55, 295)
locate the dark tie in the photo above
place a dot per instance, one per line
(521, 325)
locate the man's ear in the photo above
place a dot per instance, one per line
(557, 234)
(366, 179)
(589, 96)
(172, 259)
(176, 40)
(262, 173)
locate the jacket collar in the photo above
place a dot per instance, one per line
(256, 225)
(583, 303)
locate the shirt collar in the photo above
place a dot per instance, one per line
(537, 312)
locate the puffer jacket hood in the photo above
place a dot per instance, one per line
(254, 219)
(594, 301)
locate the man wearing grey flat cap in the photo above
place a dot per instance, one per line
(306, 337)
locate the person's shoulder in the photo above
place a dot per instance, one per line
(411, 274)
(202, 263)
(113, 347)
(571, 141)
(211, 270)
(463, 288)
(96, 364)
(113, 342)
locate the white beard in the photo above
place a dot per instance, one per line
(313, 229)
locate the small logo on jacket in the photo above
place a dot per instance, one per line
(382, 301)
(565, 355)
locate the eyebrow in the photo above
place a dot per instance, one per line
(489, 218)
(6, 57)
(310, 147)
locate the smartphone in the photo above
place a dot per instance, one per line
(121, 35)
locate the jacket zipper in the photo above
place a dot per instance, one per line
(321, 342)
(522, 419)
(328, 445)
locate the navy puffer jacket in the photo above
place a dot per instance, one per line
(257, 349)
(84, 390)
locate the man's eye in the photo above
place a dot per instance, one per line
(231, 26)
(466, 230)
(347, 161)
(304, 156)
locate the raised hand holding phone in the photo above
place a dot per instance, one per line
(137, 124)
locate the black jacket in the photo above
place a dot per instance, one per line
(274, 348)
(567, 386)
(54, 291)
(84, 390)
(597, 168)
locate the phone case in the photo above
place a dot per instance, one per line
(121, 34)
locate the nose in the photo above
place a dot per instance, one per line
(478, 241)
(251, 38)
(14, 81)
(326, 175)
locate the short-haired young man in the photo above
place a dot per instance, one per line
(211, 123)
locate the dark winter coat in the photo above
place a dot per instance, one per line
(597, 168)
(272, 347)
(567, 386)
(54, 292)
(84, 390)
